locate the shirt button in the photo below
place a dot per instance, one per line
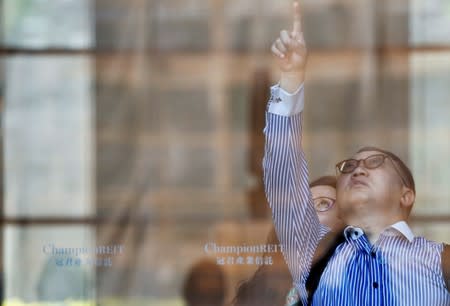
(373, 254)
(375, 285)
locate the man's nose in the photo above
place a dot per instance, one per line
(360, 169)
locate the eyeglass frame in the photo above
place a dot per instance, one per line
(333, 201)
(339, 172)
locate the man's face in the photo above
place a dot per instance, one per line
(329, 217)
(375, 190)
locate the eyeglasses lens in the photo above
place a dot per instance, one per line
(370, 162)
(323, 204)
(374, 161)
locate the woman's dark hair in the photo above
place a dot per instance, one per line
(270, 284)
(326, 180)
(204, 284)
(317, 269)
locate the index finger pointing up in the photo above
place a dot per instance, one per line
(297, 18)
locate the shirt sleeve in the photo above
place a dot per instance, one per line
(286, 183)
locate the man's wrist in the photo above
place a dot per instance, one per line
(290, 81)
(284, 103)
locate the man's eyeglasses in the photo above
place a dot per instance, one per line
(322, 204)
(370, 162)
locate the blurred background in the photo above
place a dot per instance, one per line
(131, 132)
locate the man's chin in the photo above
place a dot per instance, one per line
(358, 196)
(356, 203)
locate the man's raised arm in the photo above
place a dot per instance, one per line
(286, 176)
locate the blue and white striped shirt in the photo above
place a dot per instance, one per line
(399, 269)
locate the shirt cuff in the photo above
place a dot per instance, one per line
(286, 104)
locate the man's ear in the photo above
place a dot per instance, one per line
(408, 197)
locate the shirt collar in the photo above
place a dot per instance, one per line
(404, 229)
(355, 236)
(401, 227)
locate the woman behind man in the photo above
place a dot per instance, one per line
(269, 285)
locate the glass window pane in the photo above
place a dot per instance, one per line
(44, 24)
(430, 142)
(183, 25)
(437, 231)
(48, 136)
(430, 22)
(49, 263)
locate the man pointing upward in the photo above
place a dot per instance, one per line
(381, 261)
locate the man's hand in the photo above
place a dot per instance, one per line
(290, 52)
